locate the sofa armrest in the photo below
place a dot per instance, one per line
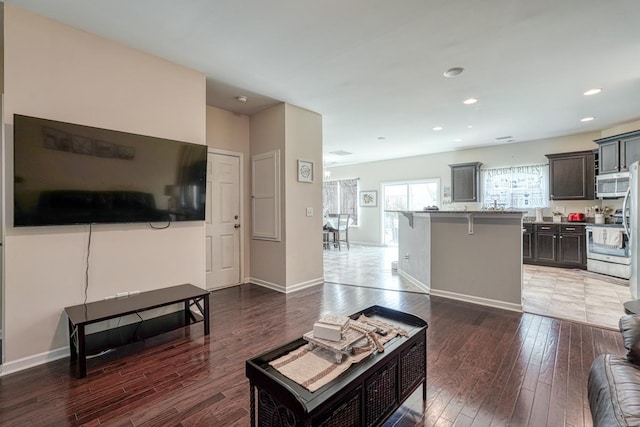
(629, 325)
(614, 391)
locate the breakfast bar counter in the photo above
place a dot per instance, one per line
(473, 256)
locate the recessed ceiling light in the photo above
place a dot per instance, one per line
(457, 140)
(592, 91)
(587, 119)
(453, 72)
(470, 101)
(469, 126)
(437, 128)
(241, 98)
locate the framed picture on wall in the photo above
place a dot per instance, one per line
(305, 171)
(368, 199)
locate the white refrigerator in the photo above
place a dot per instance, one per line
(631, 204)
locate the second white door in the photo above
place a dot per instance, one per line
(223, 221)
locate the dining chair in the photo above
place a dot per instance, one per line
(329, 229)
(341, 235)
(326, 238)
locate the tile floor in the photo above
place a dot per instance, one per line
(576, 295)
(368, 266)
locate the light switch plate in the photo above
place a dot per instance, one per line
(309, 211)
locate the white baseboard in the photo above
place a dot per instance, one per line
(478, 300)
(287, 289)
(35, 360)
(304, 285)
(268, 285)
(422, 286)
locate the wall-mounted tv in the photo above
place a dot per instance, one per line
(67, 173)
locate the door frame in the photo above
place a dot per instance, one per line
(243, 220)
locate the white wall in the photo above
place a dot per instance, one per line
(373, 174)
(295, 261)
(57, 72)
(623, 128)
(268, 258)
(231, 132)
(303, 233)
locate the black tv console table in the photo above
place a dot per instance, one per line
(85, 314)
(365, 395)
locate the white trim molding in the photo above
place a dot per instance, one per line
(422, 286)
(478, 300)
(35, 360)
(286, 289)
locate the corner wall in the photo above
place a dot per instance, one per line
(296, 261)
(57, 72)
(268, 258)
(231, 132)
(304, 233)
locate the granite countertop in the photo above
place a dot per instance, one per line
(484, 212)
(572, 223)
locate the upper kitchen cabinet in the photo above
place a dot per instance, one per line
(464, 182)
(572, 175)
(617, 152)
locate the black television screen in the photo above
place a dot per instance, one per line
(66, 173)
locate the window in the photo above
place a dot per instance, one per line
(516, 187)
(409, 195)
(341, 196)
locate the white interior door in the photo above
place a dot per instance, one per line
(223, 221)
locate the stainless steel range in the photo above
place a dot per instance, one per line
(608, 250)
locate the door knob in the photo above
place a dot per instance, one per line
(236, 226)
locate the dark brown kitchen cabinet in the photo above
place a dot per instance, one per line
(572, 175)
(572, 247)
(617, 152)
(527, 243)
(629, 152)
(464, 182)
(545, 238)
(557, 245)
(609, 157)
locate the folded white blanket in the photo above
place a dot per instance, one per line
(607, 237)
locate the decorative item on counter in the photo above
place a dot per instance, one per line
(575, 217)
(557, 216)
(539, 217)
(600, 214)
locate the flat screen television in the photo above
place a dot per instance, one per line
(66, 173)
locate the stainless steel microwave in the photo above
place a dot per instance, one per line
(612, 185)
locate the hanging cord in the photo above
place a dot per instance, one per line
(161, 228)
(86, 271)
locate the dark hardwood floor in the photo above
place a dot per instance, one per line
(486, 366)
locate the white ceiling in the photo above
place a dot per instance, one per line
(374, 68)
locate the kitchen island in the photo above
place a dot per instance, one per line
(473, 256)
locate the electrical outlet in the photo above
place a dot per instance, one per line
(309, 211)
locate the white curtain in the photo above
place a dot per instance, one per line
(516, 187)
(341, 196)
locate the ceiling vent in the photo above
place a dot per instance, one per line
(504, 138)
(340, 153)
